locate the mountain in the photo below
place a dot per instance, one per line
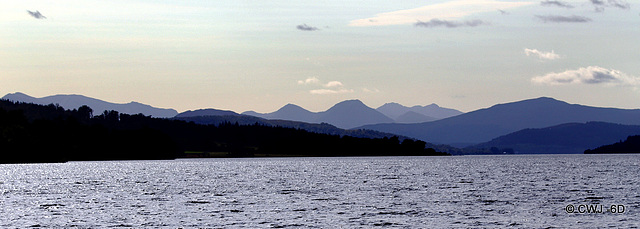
(431, 112)
(564, 138)
(98, 106)
(346, 115)
(485, 124)
(352, 113)
(206, 112)
(413, 117)
(290, 112)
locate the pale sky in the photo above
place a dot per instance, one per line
(260, 55)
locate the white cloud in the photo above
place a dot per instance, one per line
(334, 84)
(329, 91)
(310, 80)
(588, 75)
(446, 10)
(367, 90)
(542, 55)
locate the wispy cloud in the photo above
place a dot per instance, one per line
(36, 14)
(449, 24)
(334, 84)
(588, 75)
(446, 10)
(556, 3)
(373, 90)
(601, 4)
(305, 27)
(541, 54)
(330, 91)
(563, 19)
(310, 80)
(332, 87)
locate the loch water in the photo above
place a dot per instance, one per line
(516, 191)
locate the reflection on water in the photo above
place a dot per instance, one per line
(467, 191)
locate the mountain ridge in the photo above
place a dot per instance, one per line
(482, 125)
(346, 114)
(73, 101)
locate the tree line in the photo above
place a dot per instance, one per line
(49, 133)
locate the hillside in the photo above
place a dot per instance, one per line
(98, 106)
(564, 138)
(630, 145)
(485, 124)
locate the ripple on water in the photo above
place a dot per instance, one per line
(405, 192)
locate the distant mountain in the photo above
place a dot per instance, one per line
(98, 106)
(485, 124)
(431, 112)
(290, 112)
(352, 113)
(347, 114)
(206, 112)
(631, 145)
(564, 138)
(414, 117)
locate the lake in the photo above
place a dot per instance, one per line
(519, 191)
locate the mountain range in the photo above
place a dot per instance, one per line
(346, 114)
(98, 106)
(486, 124)
(416, 114)
(353, 113)
(540, 125)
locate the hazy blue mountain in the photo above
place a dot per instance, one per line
(206, 112)
(352, 113)
(98, 106)
(431, 112)
(413, 117)
(564, 138)
(288, 112)
(346, 115)
(485, 124)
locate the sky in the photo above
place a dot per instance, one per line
(261, 55)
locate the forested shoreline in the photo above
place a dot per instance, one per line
(49, 133)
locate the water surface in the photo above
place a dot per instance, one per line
(406, 192)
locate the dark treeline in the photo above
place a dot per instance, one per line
(49, 133)
(631, 145)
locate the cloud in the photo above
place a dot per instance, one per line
(36, 14)
(310, 80)
(542, 55)
(367, 90)
(330, 91)
(332, 87)
(449, 24)
(334, 84)
(446, 10)
(588, 75)
(601, 4)
(305, 27)
(556, 3)
(563, 19)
